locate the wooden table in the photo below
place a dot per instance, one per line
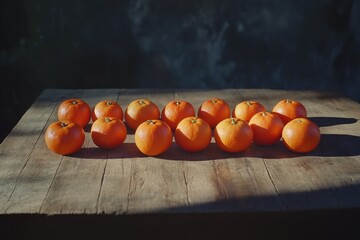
(122, 181)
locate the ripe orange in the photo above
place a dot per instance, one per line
(267, 128)
(108, 132)
(107, 108)
(193, 134)
(64, 137)
(139, 111)
(301, 135)
(214, 111)
(233, 135)
(175, 111)
(74, 110)
(246, 109)
(153, 137)
(288, 110)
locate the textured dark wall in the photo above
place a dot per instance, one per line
(160, 43)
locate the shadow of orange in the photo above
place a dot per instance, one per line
(331, 145)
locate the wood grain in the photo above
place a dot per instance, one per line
(124, 181)
(18, 146)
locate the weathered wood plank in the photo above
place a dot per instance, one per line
(261, 192)
(340, 173)
(312, 181)
(221, 181)
(123, 181)
(36, 177)
(145, 184)
(19, 144)
(203, 188)
(78, 181)
(115, 189)
(34, 181)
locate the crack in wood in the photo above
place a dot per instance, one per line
(118, 95)
(248, 172)
(122, 166)
(186, 185)
(101, 185)
(273, 183)
(48, 191)
(130, 182)
(219, 183)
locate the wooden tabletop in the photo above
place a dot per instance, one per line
(123, 181)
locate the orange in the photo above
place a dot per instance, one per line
(74, 110)
(108, 132)
(233, 135)
(175, 111)
(107, 108)
(288, 110)
(64, 137)
(153, 137)
(214, 111)
(301, 135)
(246, 109)
(139, 111)
(193, 134)
(267, 128)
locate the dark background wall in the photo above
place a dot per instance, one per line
(186, 44)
